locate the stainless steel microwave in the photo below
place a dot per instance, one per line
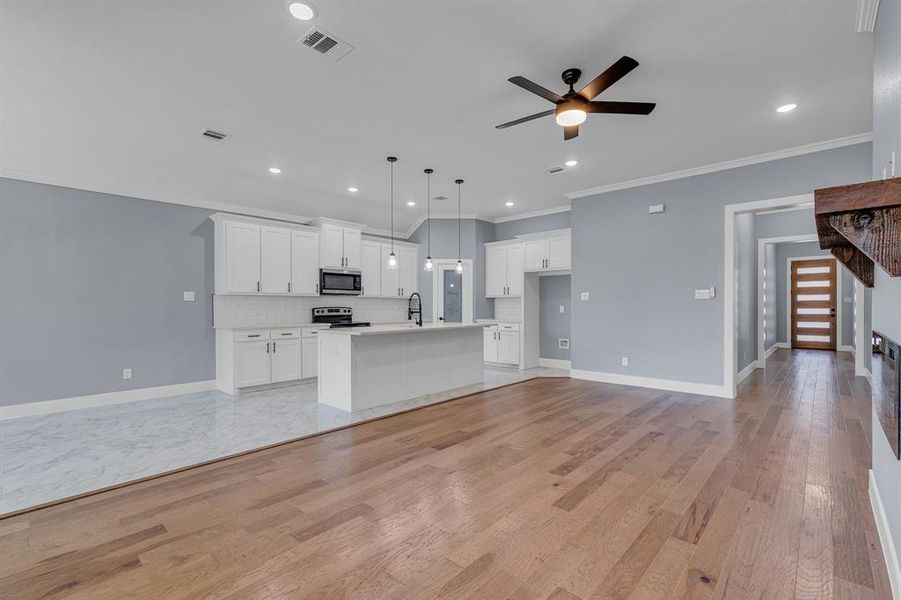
(343, 282)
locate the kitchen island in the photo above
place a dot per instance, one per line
(363, 367)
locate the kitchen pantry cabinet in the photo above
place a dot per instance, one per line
(340, 246)
(501, 343)
(255, 258)
(503, 269)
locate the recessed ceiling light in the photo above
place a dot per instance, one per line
(787, 107)
(301, 10)
(509, 203)
(571, 163)
(410, 203)
(275, 170)
(353, 190)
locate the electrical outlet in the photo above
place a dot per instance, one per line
(625, 361)
(189, 296)
(656, 209)
(584, 296)
(126, 373)
(563, 343)
(562, 308)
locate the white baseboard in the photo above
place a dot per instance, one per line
(744, 373)
(868, 374)
(554, 363)
(885, 537)
(771, 349)
(689, 387)
(846, 349)
(782, 345)
(45, 407)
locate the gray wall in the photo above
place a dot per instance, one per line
(473, 234)
(91, 283)
(746, 289)
(791, 222)
(770, 301)
(886, 296)
(553, 291)
(510, 229)
(641, 269)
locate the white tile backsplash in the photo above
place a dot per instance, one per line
(260, 311)
(508, 309)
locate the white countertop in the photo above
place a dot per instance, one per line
(278, 326)
(401, 328)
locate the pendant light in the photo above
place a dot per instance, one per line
(459, 182)
(392, 258)
(428, 199)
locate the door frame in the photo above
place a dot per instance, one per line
(762, 243)
(441, 264)
(838, 295)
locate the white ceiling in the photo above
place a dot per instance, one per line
(111, 96)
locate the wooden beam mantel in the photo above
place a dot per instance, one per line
(861, 224)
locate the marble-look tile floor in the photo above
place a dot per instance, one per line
(56, 456)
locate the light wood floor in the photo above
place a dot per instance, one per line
(553, 488)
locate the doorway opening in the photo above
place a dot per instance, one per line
(452, 292)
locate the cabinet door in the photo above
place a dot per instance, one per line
(409, 270)
(534, 254)
(285, 360)
(242, 256)
(514, 269)
(304, 262)
(251, 363)
(495, 271)
(275, 260)
(371, 268)
(489, 336)
(508, 347)
(558, 253)
(352, 248)
(310, 357)
(390, 277)
(332, 246)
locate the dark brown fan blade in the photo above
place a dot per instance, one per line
(524, 119)
(614, 73)
(623, 108)
(536, 89)
(570, 131)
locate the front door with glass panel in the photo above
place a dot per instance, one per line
(813, 304)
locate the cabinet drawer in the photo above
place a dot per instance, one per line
(280, 334)
(252, 335)
(311, 332)
(508, 326)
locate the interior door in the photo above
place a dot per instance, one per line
(813, 307)
(285, 360)
(275, 260)
(242, 249)
(304, 262)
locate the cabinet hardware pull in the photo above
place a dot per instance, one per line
(286, 334)
(258, 286)
(267, 347)
(273, 347)
(254, 335)
(317, 288)
(289, 287)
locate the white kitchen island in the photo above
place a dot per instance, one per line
(363, 367)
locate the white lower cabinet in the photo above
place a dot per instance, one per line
(502, 343)
(310, 353)
(249, 358)
(285, 360)
(251, 363)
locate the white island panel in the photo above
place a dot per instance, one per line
(372, 366)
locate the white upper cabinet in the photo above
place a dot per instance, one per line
(304, 262)
(390, 277)
(242, 258)
(409, 270)
(371, 268)
(340, 246)
(275, 260)
(503, 270)
(549, 252)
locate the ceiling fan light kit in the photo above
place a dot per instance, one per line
(573, 107)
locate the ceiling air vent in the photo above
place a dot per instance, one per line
(555, 170)
(326, 44)
(217, 136)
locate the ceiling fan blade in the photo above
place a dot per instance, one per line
(622, 108)
(570, 131)
(525, 119)
(536, 89)
(614, 73)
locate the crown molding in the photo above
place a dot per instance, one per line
(726, 165)
(866, 16)
(534, 213)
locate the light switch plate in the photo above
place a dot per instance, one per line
(126, 373)
(189, 296)
(656, 209)
(583, 296)
(625, 361)
(562, 308)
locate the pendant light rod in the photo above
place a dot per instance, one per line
(459, 183)
(391, 161)
(428, 199)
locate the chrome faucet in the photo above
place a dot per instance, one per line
(417, 310)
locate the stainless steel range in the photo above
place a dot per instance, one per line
(337, 316)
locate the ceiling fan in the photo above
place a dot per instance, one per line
(573, 107)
